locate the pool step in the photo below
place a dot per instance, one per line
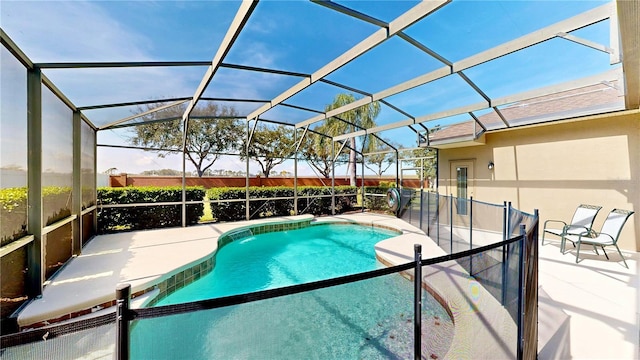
(242, 233)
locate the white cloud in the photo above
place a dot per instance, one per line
(77, 31)
(258, 54)
(265, 25)
(55, 31)
(144, 160)
(80, 31)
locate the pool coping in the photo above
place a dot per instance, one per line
(147, 287)
(65, 296)
(483, 328)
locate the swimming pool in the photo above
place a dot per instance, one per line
(283, 258)
(365, 319)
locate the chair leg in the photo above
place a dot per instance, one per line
(563, 245)
(623, 260)
(578, 253)
(543, 233)
(596, 249)
(605, 253)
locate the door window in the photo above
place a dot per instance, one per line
(461, 178)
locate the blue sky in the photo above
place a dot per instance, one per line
(295, 36)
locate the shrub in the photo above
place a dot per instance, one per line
(146, 217)
(56, 205)
(13, 214)
(386, 184)
(225, 210)
(233, 211)
(378, 202)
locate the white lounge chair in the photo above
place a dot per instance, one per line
(582, 221)
(608, 235)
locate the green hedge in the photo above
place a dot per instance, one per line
(377, 202)
(234, 211)
(13, 214)
(13, 205)
(56, 204)
(146, 217)
(322, 205)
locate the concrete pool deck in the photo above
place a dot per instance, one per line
(595, 303)
(140, 258)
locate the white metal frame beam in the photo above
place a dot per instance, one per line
(151, 111)
(400, 23)
(574, 23)
(94, 65)
(241, 18)
(353, 13)
(129, 103)
(15, 50)
(585, 42)
(628, 15)
(611, 75)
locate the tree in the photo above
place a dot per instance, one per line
(162, 172)
(380, 161)
(270, 146)
(426, 159)
(352, 120)
(213, 130)
(316, 149)
(425, 162)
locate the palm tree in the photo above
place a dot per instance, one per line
(350, 121)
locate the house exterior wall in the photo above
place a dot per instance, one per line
(555, 167)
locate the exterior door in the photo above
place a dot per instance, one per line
(462, 176)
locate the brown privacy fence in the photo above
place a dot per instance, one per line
(240, 181)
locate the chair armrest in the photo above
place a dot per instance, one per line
(590, 234)
(586, 233)
(558, 221)
(569, 226)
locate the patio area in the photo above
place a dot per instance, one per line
(601, 299)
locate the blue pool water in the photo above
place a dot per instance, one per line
(283, 258)
(366, 319)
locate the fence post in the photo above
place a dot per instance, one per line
(521, 290)
(509, 234)
(417, 301)
(451, 224)
(504, 254)
(438, 217)
(123, 296)
(471, 235)
(531, 301)
(428, 212)
(421, 204)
